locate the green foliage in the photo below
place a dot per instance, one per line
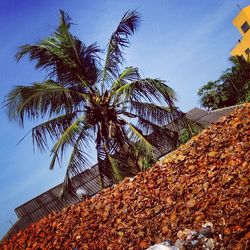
(191, 129)
(187, 134)
(86, 97)
(213, 95)
(231, 88)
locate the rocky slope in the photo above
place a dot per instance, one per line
(205, 180)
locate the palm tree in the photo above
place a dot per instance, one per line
(85, 98)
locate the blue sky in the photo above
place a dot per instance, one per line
(186, 43)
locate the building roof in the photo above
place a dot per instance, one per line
(204, 117)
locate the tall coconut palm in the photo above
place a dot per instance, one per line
(86, 98)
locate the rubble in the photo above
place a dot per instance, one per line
(190, 239)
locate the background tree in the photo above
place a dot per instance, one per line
(232, 87)
(86, 98)
(213, 95)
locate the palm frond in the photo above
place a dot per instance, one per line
(115, 166)
(101, 158)
(158, 135)
(64, 56)
(128, 74)
(64, 23)
(136, 137)
(156, 131)
(40, 100)
(51, 129)
(151, 112)
(148, 127)
(77, 163)
(47, 55)
(68, 138)
(150, 90)
(83, 66)
(118, 41)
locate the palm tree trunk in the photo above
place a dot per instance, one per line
(99, 160)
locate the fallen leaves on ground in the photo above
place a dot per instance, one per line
(206, 179)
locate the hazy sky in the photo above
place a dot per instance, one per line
(186, 42)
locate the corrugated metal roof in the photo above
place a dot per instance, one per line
(205, 118)
(195, 114)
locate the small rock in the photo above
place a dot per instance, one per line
(206, 232)
(208, 244)
(186, 234)
(180, 244)
(194, 242)
(165, 245)
(208, 224)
